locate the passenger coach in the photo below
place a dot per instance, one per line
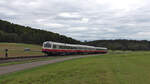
(55, 48)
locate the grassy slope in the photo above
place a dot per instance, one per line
(132, 68)
(17, 49)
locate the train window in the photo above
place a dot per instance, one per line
(72, 48)
(62, 47)
(75, 47)
(47, 45)
(67, 47)
(98, 49)
(57, 46)
(54, 46)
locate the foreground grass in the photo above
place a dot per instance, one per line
(129, 68)
(17, 49)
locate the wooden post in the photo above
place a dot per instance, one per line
(6, 53)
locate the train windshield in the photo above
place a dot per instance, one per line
(47, 45)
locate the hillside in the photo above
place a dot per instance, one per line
(10, 32)
(121, 44)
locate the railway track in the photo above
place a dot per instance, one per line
(22, 58)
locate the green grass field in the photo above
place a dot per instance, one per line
(122, 68)
(17, 49)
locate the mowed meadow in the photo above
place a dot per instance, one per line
(17, 49)
(112, 68)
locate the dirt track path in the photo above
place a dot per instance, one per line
(17, 67)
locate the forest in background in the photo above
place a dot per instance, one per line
(15, 33)
(10, 32)
(121, 44)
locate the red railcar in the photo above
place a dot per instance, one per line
(55, 48)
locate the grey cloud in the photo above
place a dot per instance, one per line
(103, 21)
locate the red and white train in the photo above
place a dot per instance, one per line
(55, 48)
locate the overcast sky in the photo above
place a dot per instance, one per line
(82, 19)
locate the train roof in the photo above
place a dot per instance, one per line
(74, 45)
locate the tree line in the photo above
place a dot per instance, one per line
(10, 32)
(121, 44)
